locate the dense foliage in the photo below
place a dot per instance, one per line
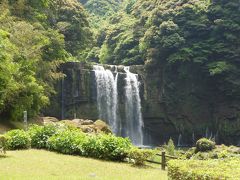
(140, 155)
(40, 134)
(35, 37)
(206, 161)
(68, 140)
(203, 145)
(219, 152)
(17, 139)
(102, 8)
(209, 169)
(186, 37)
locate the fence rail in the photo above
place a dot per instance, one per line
(164, 159)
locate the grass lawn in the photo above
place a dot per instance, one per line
(40, 164)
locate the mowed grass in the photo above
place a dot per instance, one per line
(40, 164)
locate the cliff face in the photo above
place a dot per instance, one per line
(76, 93)
(173, 105)
(188, 106)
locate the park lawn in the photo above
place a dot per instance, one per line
(41, 164)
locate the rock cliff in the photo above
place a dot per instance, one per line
(173, 104)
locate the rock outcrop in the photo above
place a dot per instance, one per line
(174, 105)
(87, 126)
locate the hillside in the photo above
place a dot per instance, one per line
(189, 50)
(35, 38)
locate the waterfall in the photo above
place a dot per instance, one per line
(193, 139)
(207, 133)
(107, 95)
(134, 120)
(179, 144)
(107, 103)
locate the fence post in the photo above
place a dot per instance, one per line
(163, 160)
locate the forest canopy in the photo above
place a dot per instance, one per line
(176, 34)
(35, 38)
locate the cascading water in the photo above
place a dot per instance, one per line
(107, 95)
(179, 144)
(107, 101)
(133, 112)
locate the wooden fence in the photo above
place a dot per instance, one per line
(164, 157)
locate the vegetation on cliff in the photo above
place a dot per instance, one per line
(190, 48)
(179, 34)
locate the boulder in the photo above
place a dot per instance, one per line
(87, 126)
(88, 129)
(87, 122)
(70, 123)
(49, 120)
(78, 121)
(102, 127)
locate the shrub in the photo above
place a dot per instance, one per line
(102, 146)
(189, 153)
(67, 142)
(204, 145)
(107, 147)
(17, 139)
(208, 169)
(170, 147)
(115, 148)
(140, 155)
(92, 147)
(40, 134)
(3, 142)
(219, 152)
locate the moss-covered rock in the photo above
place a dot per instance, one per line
(102, 127)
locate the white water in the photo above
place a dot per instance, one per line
(179, 144)
(133, 112)
(107, 99)
(107, 95)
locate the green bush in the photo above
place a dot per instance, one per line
(219, 152)
(204, 145)
(39, 135)
(170, 147)
(140, 155)
(67, 142)
(92, 147)
(205, 170)
(114, 148)
(17, 139)
(101, 146)
(107, 147)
